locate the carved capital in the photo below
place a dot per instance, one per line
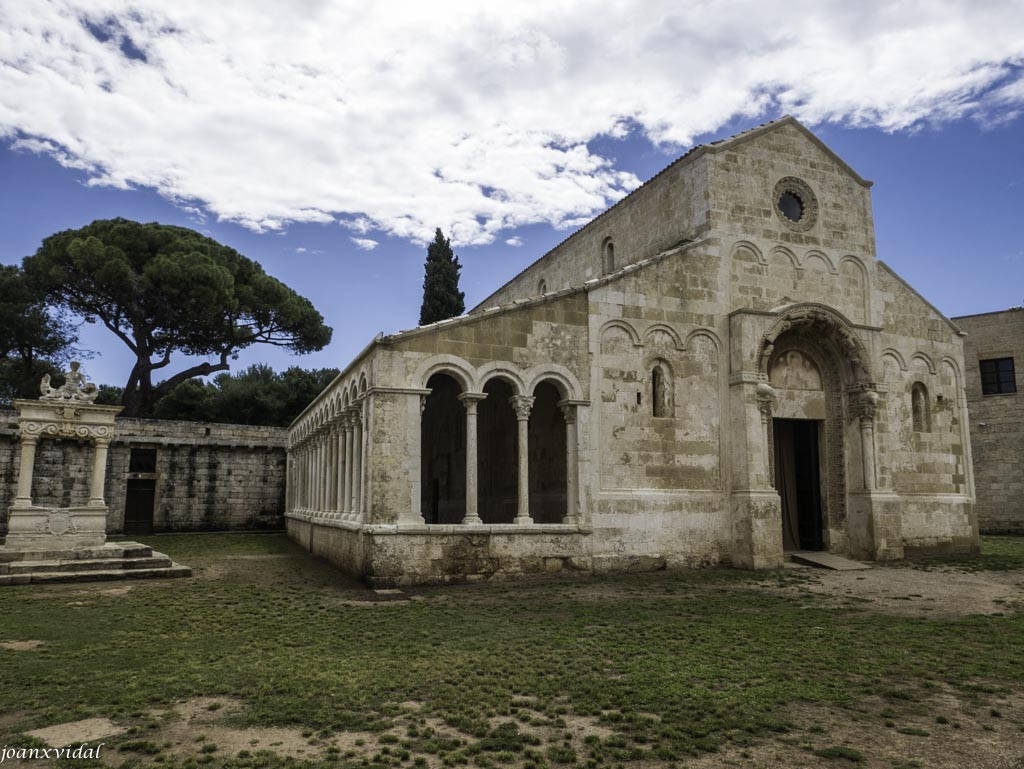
(469, 400)
(522, 404)
(864, 405)
(568, 412)
(765, 399)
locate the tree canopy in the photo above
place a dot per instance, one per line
(441, 296)
(34, 340)
(163, 289)
(254, 396)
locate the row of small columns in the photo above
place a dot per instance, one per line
(325, 473)
(28, 460)
(522, 404)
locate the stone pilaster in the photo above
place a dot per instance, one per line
(875, 515)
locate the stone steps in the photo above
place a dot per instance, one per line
(156, 561)
(107, 551)
(50, 577)
(111, 561)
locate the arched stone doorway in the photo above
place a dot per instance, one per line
(818, 373)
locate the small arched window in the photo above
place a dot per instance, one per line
(542, 287)
(919, 408)
(661, 390)
(608, 256)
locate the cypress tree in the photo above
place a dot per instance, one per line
(441, 296)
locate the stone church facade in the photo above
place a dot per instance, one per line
(717, 369)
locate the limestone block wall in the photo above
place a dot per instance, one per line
(542, 333)
(920, 347)
(207, 476)
(655, 217)
(657, 377)
(997, 421)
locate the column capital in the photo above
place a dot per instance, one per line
(469, 400)
(352, 418)
(864, 404)
(766, 397)
(522, 404)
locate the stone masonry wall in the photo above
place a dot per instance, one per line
(655, 217)
(997, 421)
(208, 476)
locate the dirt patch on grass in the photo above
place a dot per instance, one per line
(21, 646)
(915, 593)
(945, 731)
(78, 732)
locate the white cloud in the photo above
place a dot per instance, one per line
(470, 116)
(365, 244)
(514, 241)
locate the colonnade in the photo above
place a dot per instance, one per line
(325, 470)
(522, 405)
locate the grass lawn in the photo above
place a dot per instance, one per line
(666, 669)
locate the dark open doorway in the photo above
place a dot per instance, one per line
(140, 494)
(798, 479)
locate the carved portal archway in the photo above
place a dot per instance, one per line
(831, 329)
(820, 373)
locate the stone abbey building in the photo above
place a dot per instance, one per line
(717, 369)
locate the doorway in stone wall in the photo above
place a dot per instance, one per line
(140, 492)
(798, 480)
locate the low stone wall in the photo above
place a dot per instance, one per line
(204, 477)
(390, 556)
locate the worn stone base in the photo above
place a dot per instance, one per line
(111, 561)
(46, 528)
(392, 556)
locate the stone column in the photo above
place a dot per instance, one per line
(357, 464)
(522, 405)
(323, 471)
(765, 402)
(350, 473)
(289, 494)
(865, 407)
(755, 506)
(470, 400)
(28, 462)
(99, 474)
(571, 465)
(314, 492)
(329, 475)
(341, 472)
(300, 477)
(307, 476)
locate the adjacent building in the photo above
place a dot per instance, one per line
(993, 359)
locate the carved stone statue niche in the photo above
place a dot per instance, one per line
(65, 412)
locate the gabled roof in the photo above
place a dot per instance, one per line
(689, 156)
(585, 287)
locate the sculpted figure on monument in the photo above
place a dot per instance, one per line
(75, 387)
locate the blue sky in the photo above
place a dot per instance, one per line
(332, 160)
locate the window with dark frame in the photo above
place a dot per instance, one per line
(997, 376)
